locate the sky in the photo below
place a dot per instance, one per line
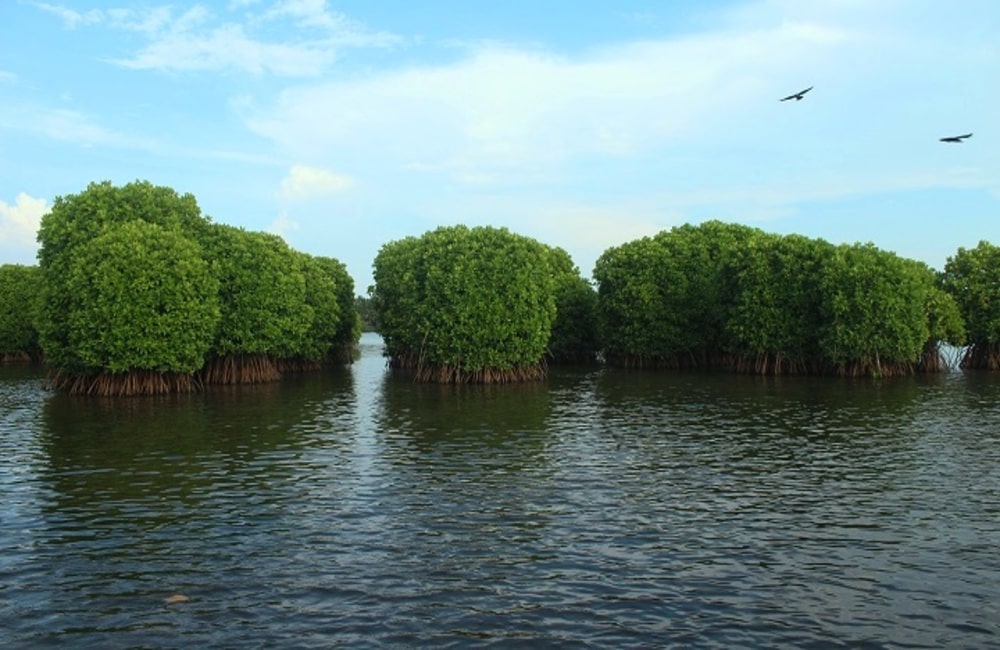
(344, 125)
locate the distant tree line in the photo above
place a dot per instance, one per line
(136, 291)
(366, 312)
(18, 332)
(460, 304)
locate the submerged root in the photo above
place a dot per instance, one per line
(773, 364)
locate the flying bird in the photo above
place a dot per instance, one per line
(958, 139)
(797, 96)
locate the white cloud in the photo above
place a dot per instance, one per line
(693, 119)
(7, 77)
(19, 222)
(305, 182)
(589, 230)
(522, 110)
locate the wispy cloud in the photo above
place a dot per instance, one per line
(87, 131)
(336, 27)
(518, 110)
(241, 37)
(71, 19)
(305, 182)
(65, 125)
(699, 112)
(228, 47)
(283, 225)
(149, 20)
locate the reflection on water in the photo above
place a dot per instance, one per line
(601, 507)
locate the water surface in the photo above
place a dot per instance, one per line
(601, 508)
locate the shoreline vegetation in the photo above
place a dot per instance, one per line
(137, 293)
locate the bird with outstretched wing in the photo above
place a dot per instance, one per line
(958, 139)
(797, 96)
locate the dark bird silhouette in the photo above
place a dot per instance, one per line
(797, 96)
(958, 139)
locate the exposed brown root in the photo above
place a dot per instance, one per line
(15, 357)
(686, 360)
(875, 369)
(240, 369)
(653, 362)
(769, 364)
(773, 364)
(981, 356)
(581, 358)
(342, 355)
(933, 359)
(292, 366)
(123, 384)
(454, 374)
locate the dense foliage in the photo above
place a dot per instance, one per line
(77, 219)
(664, 301)
(874, 311)
(972, 277)
(776, 318)
(340, 345)
(143, 308)
(262, 298)
(142, 297)
(19, 287)
(574, 337)
(463, 304)
(141, 294)
(636, 323)
(731, 296)
(137, 292)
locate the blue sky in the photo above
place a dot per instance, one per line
(345, 125)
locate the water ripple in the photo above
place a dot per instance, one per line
(598, 509)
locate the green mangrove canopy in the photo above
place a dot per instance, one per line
(141, 294)
(718, 295)
(462, 304)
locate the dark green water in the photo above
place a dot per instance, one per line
(599, 509)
